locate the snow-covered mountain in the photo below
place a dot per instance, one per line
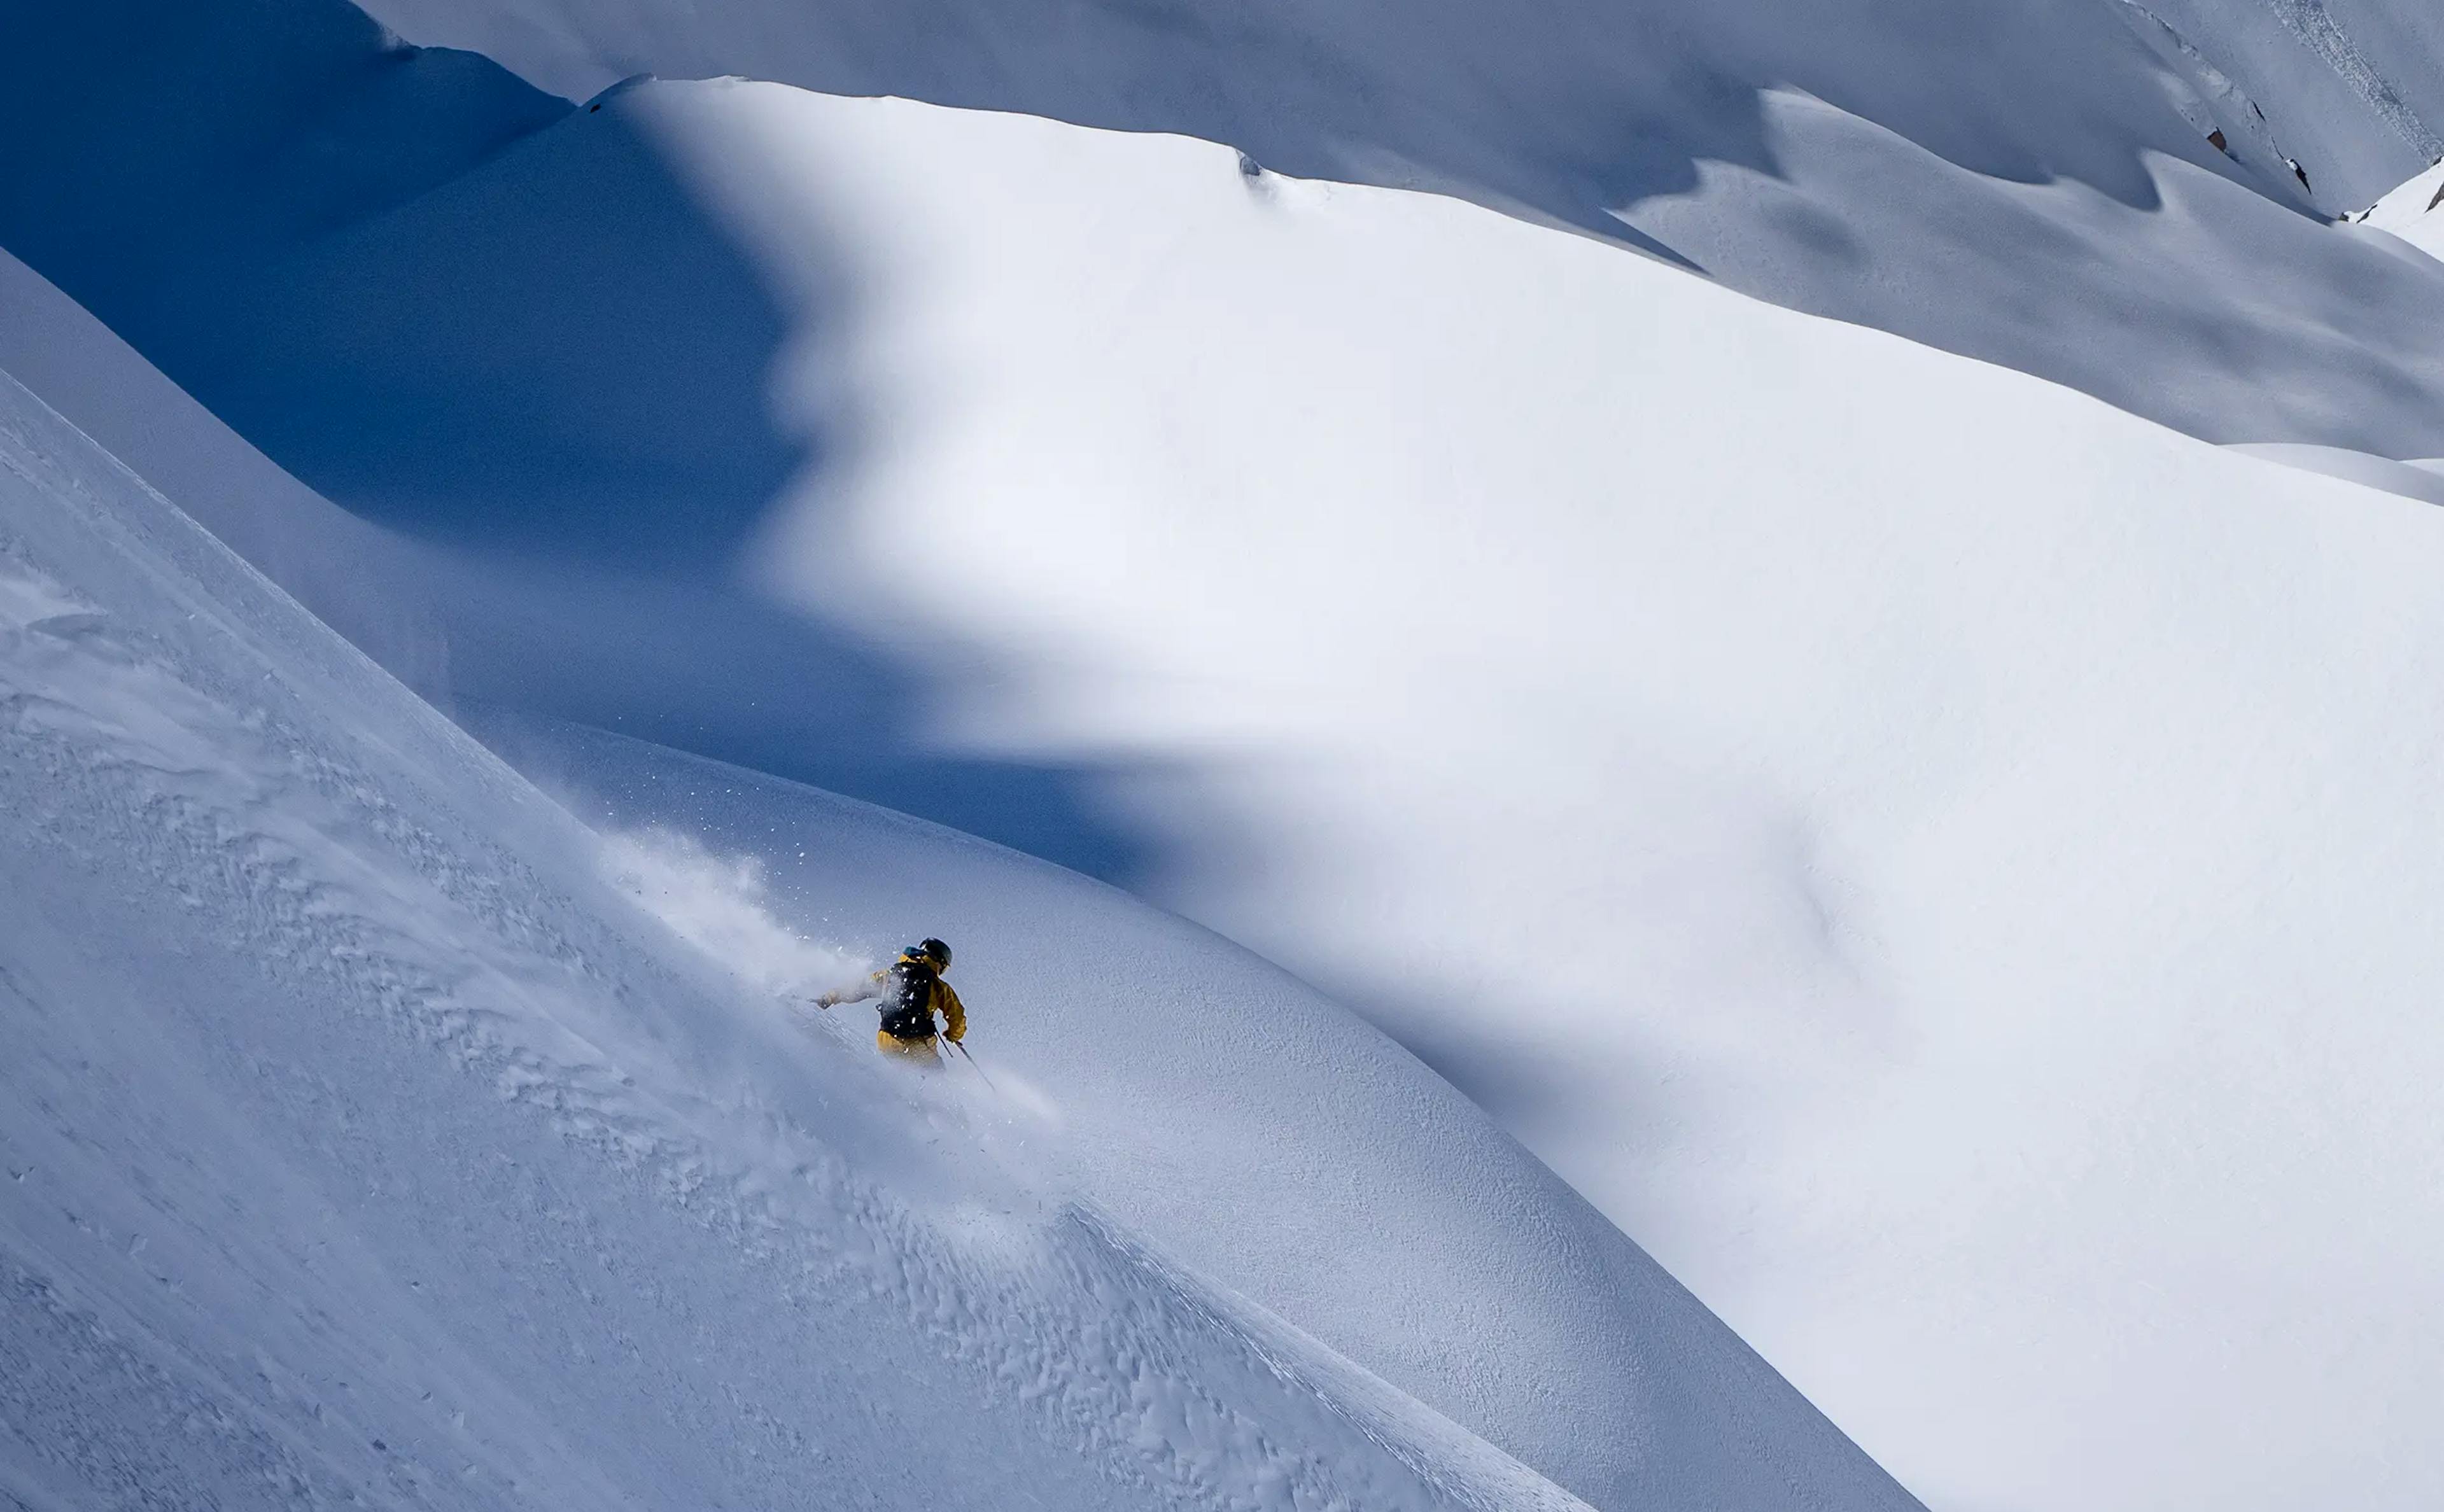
(1875, 823)
(2087, 189)
(376, 1133)
(1937, 858)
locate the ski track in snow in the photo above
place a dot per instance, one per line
(2317, 29)
(2241, 120)
(348, 900)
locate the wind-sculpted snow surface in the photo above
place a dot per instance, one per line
(2030, 182)
(364, 1144)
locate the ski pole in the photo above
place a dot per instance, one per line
(971, 1060)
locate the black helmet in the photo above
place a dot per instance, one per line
(933, 950)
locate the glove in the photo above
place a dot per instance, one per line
(827, 1000)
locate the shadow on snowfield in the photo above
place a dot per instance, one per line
(501, 325)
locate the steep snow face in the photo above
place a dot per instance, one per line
(361, 1124)
(2032, 183)
(2355, 84)
(1221, 1109)
(371, 585)
(2414, 211)
(230, 203)
(1934, 857)
(209, 139)
(1769, 766)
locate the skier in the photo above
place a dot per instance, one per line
(912, 990)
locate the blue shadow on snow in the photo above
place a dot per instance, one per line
(464, 309)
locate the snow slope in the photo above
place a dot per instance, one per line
(1221, 1108)
(2030, 182)
(2410, 211)
(1933, 857)
(1436, 604)
(371, 585)
(2355, 82)
(367, 1141)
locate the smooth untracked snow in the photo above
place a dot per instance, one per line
(1931, 856)
(2408, 479)
(366, 1142)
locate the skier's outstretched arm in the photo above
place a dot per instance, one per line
(872, 988)
(954, 1015)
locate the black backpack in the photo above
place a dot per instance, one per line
(907, 1003)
